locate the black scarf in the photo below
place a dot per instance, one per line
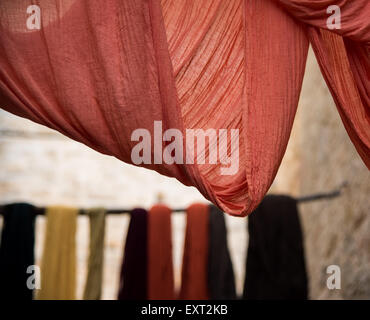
(221, 282)
(133, 283)
(275, 262)
(17, 251)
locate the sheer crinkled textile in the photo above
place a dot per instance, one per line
(98, 70)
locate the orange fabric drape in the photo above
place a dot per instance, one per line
(344, 58)
(98, 70)
(160, 264)
(194, 280)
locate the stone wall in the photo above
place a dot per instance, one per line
(337, 232)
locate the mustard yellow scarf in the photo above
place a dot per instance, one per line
(58, 267)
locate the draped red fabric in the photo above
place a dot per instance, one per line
(97, 71)
(160, 265)
(344, 58)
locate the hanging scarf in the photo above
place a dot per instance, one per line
(275, 266)
(133, 281)
(160, 264)
(93, 286)
(194, 281)
(17, 252)
(97, 71)
(58, 267)
(221, 281)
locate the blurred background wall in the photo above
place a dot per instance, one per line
(42, 167)
(336, 231)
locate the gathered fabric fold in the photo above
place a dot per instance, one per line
(228, 72)
(194, 280)
(58, 266)
(160, 262)
(17, 252)
(133, 280)
(93, 286)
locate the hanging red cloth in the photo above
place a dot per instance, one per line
(160, 265)
(97, 71)
(194, 276)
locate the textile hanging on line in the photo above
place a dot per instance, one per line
(94, 280)
(221, 280)
(17, 257)
(58, 266)
(142, 80)
(194, 272)
(275, 266)
(160, 273)
(133, 279)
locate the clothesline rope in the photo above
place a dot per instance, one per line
(304, 199)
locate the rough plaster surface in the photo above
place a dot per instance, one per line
(337, 232)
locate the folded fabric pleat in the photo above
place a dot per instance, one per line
(221, 282)
(93, 286)
(160, 263)
(133, 281)
(275, 267)
(194, 281)
(17, 251)
(58, 267)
